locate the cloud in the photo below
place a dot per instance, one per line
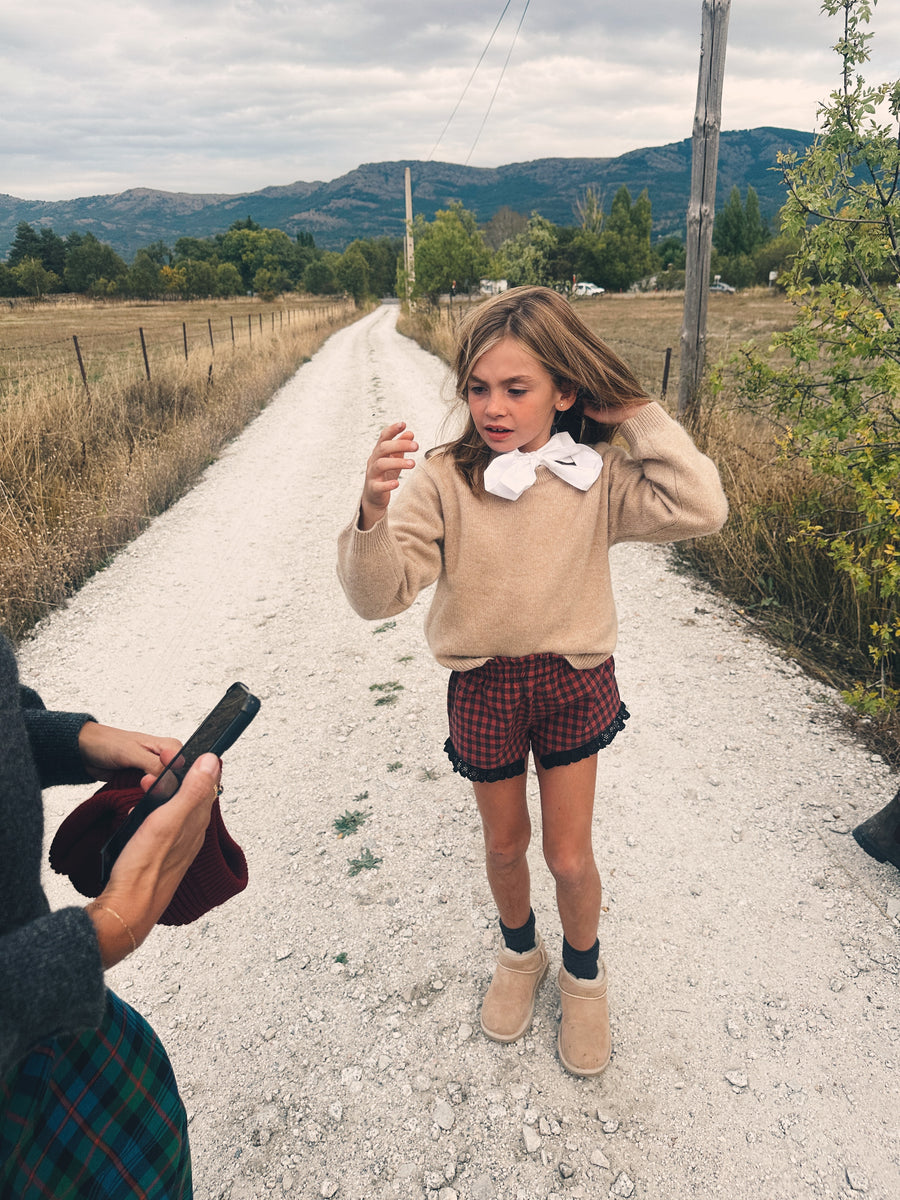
(187, 95)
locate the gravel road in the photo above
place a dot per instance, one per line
(324, 1025)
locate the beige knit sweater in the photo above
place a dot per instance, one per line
(530, 575)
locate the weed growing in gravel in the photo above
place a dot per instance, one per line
(429, 773)
(405, 658)
(367, 861)
(388, 691)
(394, 766)
(342, 957)
(387, 625)
(349, 822)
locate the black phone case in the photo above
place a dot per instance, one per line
(151, 802)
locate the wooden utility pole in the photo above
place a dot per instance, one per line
(408, 248)
(702, 208)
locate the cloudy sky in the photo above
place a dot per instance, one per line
(236, 95)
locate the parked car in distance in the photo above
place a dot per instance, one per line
(587, 289)
(719, 286)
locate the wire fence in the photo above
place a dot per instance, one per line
(117, 344)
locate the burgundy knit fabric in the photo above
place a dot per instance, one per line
(217, 873)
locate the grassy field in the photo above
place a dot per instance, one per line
(788, 589)
(82, 469)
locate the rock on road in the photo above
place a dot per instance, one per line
(324, 1026)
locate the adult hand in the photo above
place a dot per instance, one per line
(105, 750)
(147, 873)
(383, 469)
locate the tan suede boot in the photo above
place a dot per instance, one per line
(584, 1042)
(509, 1003)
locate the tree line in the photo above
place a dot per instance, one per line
(452, 252)
(245, 259)
(612, 249)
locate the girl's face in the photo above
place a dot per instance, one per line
(513, 399)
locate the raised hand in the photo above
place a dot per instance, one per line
(383, 469)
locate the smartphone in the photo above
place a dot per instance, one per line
(214, 735)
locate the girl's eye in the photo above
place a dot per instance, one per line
(475, 389)
(517, 391)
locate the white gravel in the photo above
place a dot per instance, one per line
(752, 947)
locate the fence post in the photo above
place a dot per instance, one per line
(260, 322)
(665, 382)
(184, 335)
(249, 327)
(81, 368)
(144, 349)
(212, 344)
(231, 319)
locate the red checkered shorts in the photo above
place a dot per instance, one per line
(501, 709)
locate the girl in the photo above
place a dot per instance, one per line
(514, 519)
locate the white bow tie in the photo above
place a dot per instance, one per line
(509, 475)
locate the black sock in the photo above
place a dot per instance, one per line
(581, 963)
(521, 939)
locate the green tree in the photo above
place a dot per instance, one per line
(269, 283)
(381, 255)
(53, 252)
(528, 257)
(158, 252)
(198, 249)
(34, 278)
(88, 261)
(319, 277)
(449, 248)
(199, 279)
(8, 284)
(352, 273)
(26, 244)
(228, 280)
(625, 246)
(670, 254)
(143, 278)
(839, 395)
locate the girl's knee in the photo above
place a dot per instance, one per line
(503, 853)
(570, 867)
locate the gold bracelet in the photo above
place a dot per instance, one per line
(120, 919)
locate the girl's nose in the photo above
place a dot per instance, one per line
(495, 403)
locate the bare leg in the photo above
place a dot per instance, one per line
(567, 805)
(507, 833)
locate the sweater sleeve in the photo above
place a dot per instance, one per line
(383, 569)
(665, 490)
(51, 981)
(53, 737)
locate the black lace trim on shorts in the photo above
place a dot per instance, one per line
(482, 774)
(560, 759)
(563, 757)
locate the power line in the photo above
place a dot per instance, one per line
(499, 81)
(471, 77)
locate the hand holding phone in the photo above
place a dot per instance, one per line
(214, 735)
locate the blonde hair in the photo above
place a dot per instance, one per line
(544, 324)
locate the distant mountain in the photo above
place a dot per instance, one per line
(369, 201)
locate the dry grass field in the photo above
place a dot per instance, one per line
(83, 468)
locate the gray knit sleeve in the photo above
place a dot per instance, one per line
(53, 737)
(51, 982)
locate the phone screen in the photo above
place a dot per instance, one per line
(214, 735)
